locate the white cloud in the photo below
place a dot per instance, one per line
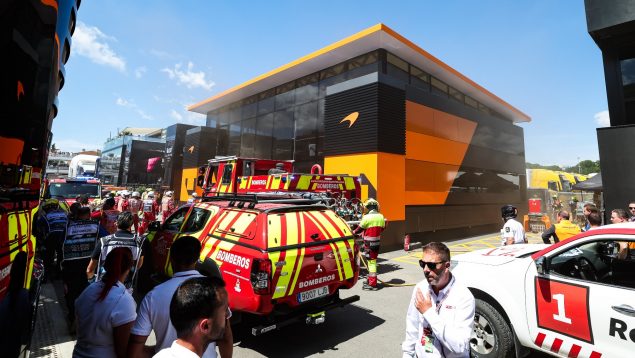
(188, 77)
(174, 114)
(122, 102)
(130, 104)
(602, 119)
(90, 42)
(140, 71)
(72, 145)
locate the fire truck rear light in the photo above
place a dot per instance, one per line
(261, 276)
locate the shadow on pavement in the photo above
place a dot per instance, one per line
(303, 340)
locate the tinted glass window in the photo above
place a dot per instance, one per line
(266, 105)
(306, 93)
(174, 222)
(306, 118)
(227, 174)
(250, 110)
(223, 117)
(212, 119)
(439, 87)
(223, 140)
(196, 221)
(471, 102)
(234, 138)
(264, 133)
(284, 100)
(456, 95)
(628, 83)
(248, 138)
(283, 135)
(333, 71)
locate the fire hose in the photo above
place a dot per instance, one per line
(365, 265)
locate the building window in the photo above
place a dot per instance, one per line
(419, 78)
(471, 102)
(439, 87)
(628, 87)
(264, 133)
(283, 135)
(455, 94)
(397, 67)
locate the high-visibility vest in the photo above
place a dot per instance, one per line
(373, 224)
(81, 238)
(111, 242)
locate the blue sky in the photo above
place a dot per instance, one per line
(139, 63)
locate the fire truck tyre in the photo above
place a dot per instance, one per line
(491, 335)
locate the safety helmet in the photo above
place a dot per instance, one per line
(194, 195)
(51, 203)
(509, 212)
(150, 194)
(136, 194)
(168, 193)
(371, 204)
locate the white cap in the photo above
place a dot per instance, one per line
(136, 194)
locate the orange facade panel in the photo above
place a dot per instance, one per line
(425, 120)
(429, 177)
(434, 149)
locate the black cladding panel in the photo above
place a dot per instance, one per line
(199, 147)
(379, 127)
(616, 147)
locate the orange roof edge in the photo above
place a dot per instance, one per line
(365, 32)
(413, 46)
(370, 30)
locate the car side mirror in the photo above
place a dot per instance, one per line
(154, 226)
(541, 265)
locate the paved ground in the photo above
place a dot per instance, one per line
(371, 327)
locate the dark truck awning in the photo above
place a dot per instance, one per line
(592, 184)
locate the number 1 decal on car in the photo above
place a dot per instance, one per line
(563, 308)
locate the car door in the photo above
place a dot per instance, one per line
(163, 238)
(583, 302)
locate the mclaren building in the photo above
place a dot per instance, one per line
(439, 152)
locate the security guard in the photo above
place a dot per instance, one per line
(81, 236)
(564, 229)
(372, 225)
(51, 230)
(122, 238)
(513, 232)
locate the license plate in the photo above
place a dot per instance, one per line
(313, 294)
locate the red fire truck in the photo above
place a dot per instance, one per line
(282, 248)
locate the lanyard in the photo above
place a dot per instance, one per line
(447, 293)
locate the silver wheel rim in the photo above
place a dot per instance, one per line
(482, 339)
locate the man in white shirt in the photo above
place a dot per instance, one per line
(441, 311)
(513, 232)
(198, 312)
(154, 310)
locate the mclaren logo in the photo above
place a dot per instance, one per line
(191, 149)
(351, 118)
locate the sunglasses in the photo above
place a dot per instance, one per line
(431, 265)
(631, 207)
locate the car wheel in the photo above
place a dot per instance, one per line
(491, 335)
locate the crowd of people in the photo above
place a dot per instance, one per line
(99, 253)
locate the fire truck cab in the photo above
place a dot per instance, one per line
(281, 247)
(70, 188)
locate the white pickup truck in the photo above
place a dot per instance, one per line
(575, 298)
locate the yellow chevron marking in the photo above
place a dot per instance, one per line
(291, 255)
(341, 246)
(333, 247)
(301, 239)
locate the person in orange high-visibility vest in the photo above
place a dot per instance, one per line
(372, 225)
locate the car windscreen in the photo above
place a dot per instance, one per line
(72, 190)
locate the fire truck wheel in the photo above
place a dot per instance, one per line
(491, 335)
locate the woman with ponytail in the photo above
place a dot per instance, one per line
(105, 311)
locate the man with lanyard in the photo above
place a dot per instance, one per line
(562, 230)
(81, 237)
(512, 232)
(372, 225)
(441, 311)
(153, 315)
(122, 238)
(51, 229)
